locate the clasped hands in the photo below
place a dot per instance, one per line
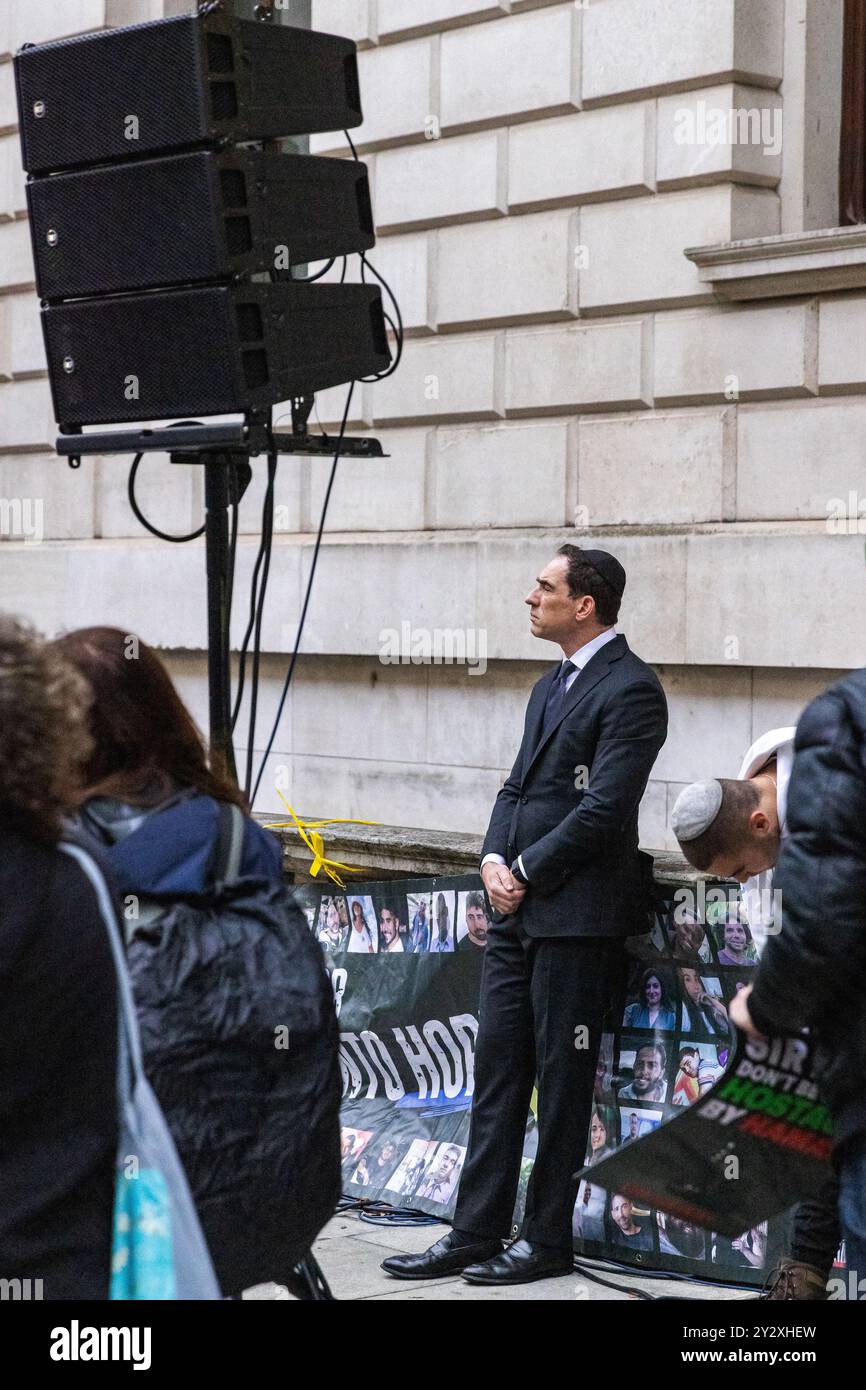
(503, 889)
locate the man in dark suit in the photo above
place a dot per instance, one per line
(567, 882)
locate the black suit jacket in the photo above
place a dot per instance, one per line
(570, 804)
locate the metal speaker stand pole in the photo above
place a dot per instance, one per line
(219, 580)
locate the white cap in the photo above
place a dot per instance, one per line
(695, 809)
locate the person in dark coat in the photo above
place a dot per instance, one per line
(807, 971)
(58, 995)
(566, 879)
(244, 1105)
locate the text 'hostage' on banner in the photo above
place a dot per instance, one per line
(718, 1164)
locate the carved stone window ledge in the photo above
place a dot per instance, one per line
(772, 266)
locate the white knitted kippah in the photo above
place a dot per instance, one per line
(695, 809)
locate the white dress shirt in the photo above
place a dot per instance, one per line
(578, 660)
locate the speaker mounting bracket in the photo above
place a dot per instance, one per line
(183, 442)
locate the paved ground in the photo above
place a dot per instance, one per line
(350, 1251)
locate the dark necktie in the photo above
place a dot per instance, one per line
(556, 697)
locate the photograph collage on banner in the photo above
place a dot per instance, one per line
(386, 919)
(665, 1048)
(408, 1150)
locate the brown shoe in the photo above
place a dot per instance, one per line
(794, 1282)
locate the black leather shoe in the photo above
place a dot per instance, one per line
(521, 1263)
(445, 1257)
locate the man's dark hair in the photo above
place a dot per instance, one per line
(583, 578)
(389, 904)
(476, 900)
(726, 833)
(653, 1047)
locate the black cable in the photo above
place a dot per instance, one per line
(242, 655)
(391, 295)
(586, 1265)
(670, 1275)
(399, 1217)
(268, 538)
(398, 331)
(244, 648)
(367, 264)
(287, 682)
(139, 514)
(380, 1213)
(234, 504)
(609, 1284)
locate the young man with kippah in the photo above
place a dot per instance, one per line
(736, 829)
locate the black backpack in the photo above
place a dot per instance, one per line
(240, 1043)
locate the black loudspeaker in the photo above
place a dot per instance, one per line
(208, 351)
(118, 93)
(198, 216)
(148, 218)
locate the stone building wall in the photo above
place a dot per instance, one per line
(538, 171)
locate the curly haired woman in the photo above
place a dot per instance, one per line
(58, 992)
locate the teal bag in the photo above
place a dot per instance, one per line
(158, 1249)
(142, 1253)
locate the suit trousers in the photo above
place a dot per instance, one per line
(537, 995)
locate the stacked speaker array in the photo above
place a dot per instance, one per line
(152, 204)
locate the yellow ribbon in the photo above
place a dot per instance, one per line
(308, 831)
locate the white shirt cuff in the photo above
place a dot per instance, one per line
(498, 859)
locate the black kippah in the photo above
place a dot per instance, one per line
(608, 567)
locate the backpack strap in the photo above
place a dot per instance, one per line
(130, 1067)
(230, 845)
